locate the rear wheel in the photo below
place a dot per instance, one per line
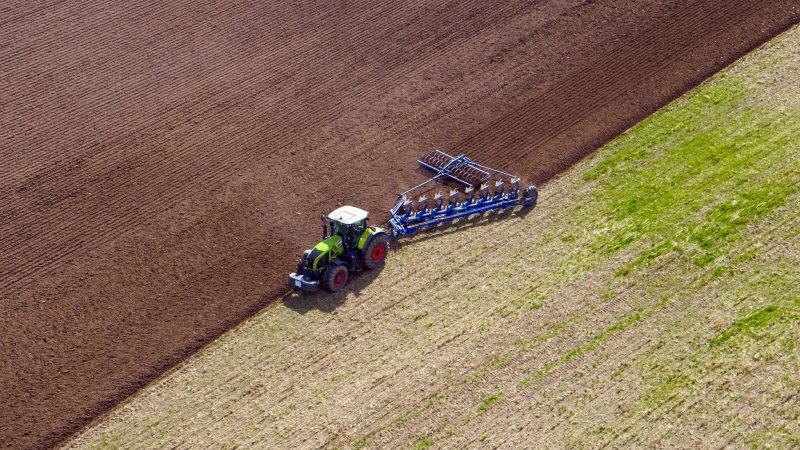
(375, 252)
(335, 278)
(529, 196)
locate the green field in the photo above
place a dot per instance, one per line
(651, 299)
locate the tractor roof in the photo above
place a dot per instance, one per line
(348, 215)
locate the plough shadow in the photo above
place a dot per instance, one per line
(328, 302)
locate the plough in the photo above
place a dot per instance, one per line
(504, 194)
(353, 246)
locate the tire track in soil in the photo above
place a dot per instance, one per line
(152, 166)
(8, 7)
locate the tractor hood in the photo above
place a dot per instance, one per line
(325, 251)
(332, 242)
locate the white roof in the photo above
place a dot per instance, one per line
(348, 215)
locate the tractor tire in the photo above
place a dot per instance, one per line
(303, 263)
(335, 278)
(529, 196)
(375, 252)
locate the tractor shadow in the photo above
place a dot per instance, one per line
(328, 302)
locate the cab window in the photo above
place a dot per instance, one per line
(335, 228)
(360, 226)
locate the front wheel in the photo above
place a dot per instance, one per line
(303, 263)
(335, 278)
(375, 252)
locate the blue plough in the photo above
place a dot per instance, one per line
(477, 197)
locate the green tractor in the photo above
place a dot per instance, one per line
(352, 246)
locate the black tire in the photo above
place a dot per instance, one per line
(529, 196)
(303, 263)
(335, 278)
(375, 252)
(301, 267)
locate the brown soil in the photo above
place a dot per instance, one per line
(164, 163)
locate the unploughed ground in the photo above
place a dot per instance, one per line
(651, 300)
(164, 163)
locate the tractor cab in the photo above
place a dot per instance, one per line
(349, 223)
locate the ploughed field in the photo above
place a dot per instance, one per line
(164, 163)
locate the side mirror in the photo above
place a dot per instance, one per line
(324, 228)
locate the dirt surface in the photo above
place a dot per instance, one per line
(164, 163)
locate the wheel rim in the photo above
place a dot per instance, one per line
(378, 252)
(339, 278)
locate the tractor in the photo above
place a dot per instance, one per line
(351, 246)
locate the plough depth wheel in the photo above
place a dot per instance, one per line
(529, 196)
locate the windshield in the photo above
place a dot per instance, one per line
(348, 233)
(336, 228)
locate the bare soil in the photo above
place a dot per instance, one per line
(164, 163)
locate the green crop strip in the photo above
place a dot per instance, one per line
(489, 402)
(616, 328)
(758, 319)
(690, 179)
